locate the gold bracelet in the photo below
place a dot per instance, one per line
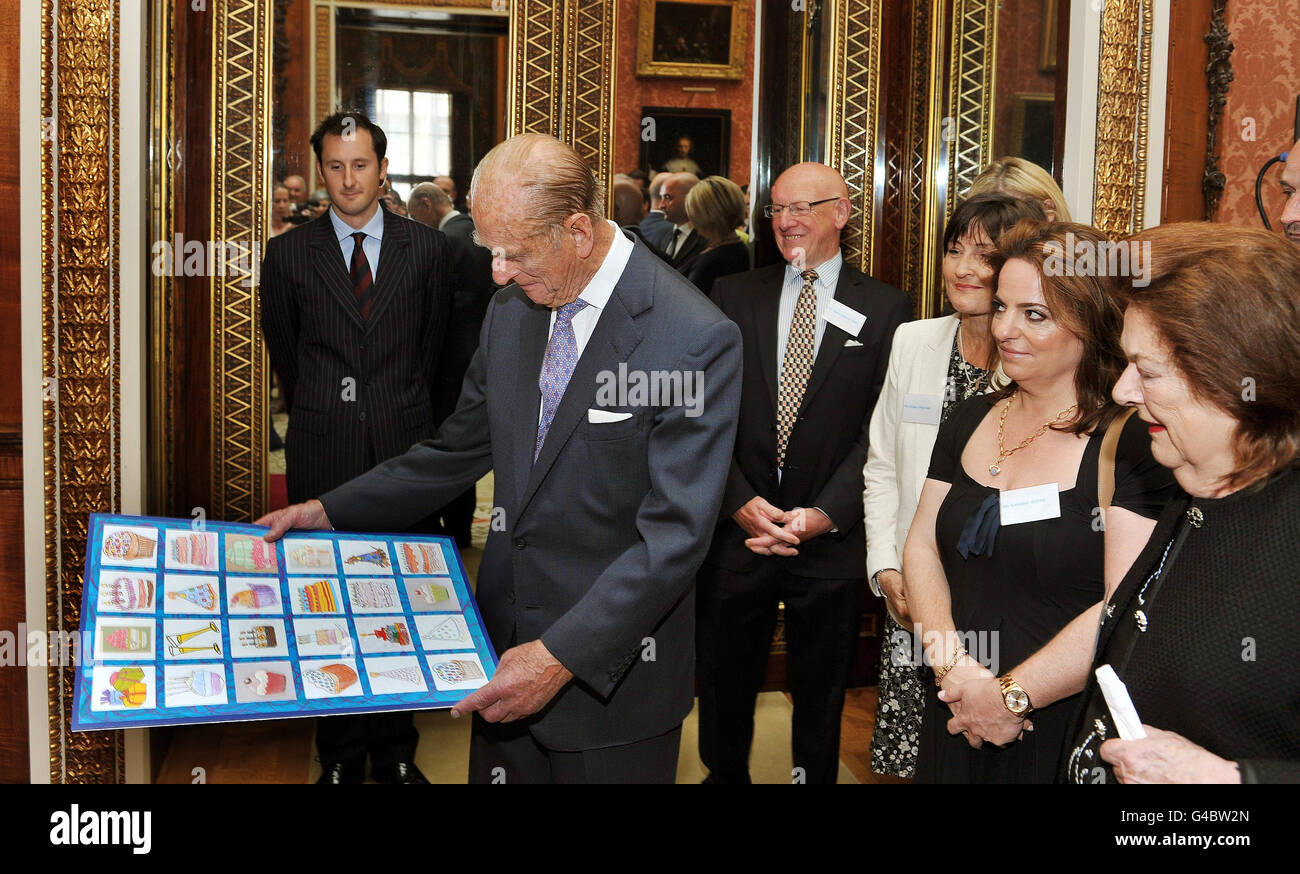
(956, 657)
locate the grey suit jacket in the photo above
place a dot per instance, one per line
(604, 533)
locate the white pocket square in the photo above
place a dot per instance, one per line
(601, 417)
(851, 342)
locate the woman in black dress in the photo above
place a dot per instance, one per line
(716, 207)
(1203, 631)
(1006, 547)
(1185, 629)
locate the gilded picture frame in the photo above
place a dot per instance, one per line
(691, 39)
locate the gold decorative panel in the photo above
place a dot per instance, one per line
(240, 183)
(323, 63)
(1123, 92)
(80, 351)
(561, 76)
(968, 128)
(852, 107)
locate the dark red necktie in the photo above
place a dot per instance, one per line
(361, 279)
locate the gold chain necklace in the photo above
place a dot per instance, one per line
(1003, 453)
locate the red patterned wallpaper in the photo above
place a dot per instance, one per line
(1266, 64)
(632, 92)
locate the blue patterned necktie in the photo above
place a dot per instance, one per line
(557, 367)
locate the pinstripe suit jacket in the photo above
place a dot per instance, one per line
(603, 534)
(354, 388)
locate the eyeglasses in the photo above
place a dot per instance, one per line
(798, 210)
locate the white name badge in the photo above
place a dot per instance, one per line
(847, 319)
(1030, 505)
(922, 409)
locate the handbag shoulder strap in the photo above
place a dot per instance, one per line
(1106, 460)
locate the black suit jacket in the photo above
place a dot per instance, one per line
(828, 445)
(693, 245)
(603, 534)
(354, 388)
(470, 281)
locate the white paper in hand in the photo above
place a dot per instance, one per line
(1121, 706)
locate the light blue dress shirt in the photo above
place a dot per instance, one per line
(374, 231)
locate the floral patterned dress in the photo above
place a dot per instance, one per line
(903, 674)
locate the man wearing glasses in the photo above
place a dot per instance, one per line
(816, 335)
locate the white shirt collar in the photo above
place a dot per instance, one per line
(448, 217)
(828, 271)
(601, 285)
(373, 228)
(685, 228)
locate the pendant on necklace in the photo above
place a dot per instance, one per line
(994, 469)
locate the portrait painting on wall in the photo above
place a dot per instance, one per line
(687, 141)
(692, 38)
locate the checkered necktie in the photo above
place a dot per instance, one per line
(361, 279)
(557, 367)
(797, 364)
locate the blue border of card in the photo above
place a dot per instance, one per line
(86, 719)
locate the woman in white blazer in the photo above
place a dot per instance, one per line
(933, 364)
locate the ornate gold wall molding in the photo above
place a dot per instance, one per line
(1123, 93)
(970, 102)
(241, 171)
(562, 74)
(80, 351)
(853, 118)
(323, 66)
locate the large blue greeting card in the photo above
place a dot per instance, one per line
(184, 623)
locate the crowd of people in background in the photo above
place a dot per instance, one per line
(1071, 470)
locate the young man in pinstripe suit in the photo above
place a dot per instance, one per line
(354, 309)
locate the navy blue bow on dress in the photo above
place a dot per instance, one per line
(981, 529)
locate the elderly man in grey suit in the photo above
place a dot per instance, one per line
(608, 496)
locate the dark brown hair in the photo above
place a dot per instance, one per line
(345, 123)
(1083, 302)
(994, 212)
(1225, 301)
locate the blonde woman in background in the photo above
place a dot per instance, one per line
(1016, 176)
(716, 207)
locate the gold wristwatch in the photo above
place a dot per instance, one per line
(1015, 698)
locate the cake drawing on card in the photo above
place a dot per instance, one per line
(263, 683)
(334, 679)
(394, 632)
(248, 554)
(126, 594)
(202, 595)
(328, 635)
(420, 559)
(430, 594)
(311, 557)
(457, 671)
(255, 597)
(259, 637)
(317, 597)
(193, 549)
(373, 595)
(128, 546)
